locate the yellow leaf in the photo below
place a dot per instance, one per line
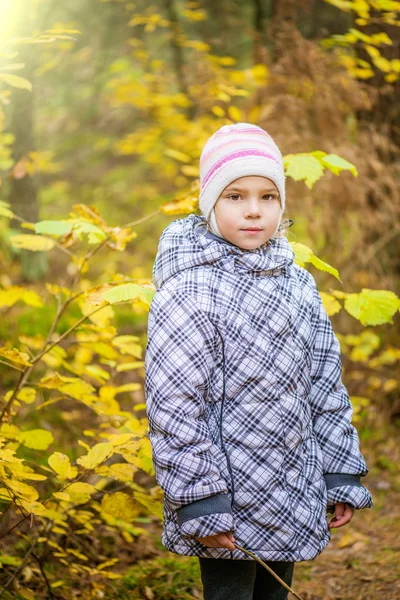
(37, 439)
(15, 356)
(260, 73)
(35, 243)
(80, 492)
(123, 471)
(303, 167)
(235, 114)
(382, 63)
(16, 81)
(61, 496)
(23, 490)
(26, 593)
(255, 114)
(77, 554)
(57, 583)
(226, 61)
(178, 155)
(350, 538)
(179, 207)
(144, 456)
(96, 455)
(110, 575)
(218, 111)
(6, 212)
(137, 427)
(128, 387)
(119, 439)
(60, 463)
(126, 344)
(129, 291)
(120, 506)
(129, 366)
(302, 253)
(331, 305)
(27, 395)
(372, 307)
(190, 171)
(108, 563)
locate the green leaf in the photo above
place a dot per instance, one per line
(58, 228)
(13, 561)
(304, 254)
(372, 307)
(94, 233)
(128, 291)
(16, 81)
(323, 266)
(336, 164)
(303, 167)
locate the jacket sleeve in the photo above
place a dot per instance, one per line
(332, 412)
(179, 360)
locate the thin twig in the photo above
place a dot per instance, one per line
(58, 340)
(51, 595)
(139, 221)
(3, 362)
(285, 585)
(21, 566)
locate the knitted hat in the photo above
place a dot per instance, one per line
(237, 151)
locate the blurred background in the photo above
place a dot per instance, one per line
(107, 105)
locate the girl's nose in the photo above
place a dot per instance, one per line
(253, 207)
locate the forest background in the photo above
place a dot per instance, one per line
(104, 109)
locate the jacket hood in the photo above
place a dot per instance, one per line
(187, 243)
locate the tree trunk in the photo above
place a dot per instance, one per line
(23, 195)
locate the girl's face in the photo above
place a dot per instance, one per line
(247, 211)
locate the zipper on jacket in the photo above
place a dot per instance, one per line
(222, 416)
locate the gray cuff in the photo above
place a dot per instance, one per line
(219, 503)
(333, 480)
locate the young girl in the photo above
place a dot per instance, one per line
(249, 421)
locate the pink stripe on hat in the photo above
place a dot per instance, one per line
(231, 157)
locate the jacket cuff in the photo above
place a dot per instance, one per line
(355, 496)
(333, 480)
(207, 525)
(219, 503)
(207, 516)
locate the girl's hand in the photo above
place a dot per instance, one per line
(219, 540)
(344, 514)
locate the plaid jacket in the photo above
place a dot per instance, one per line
(249, 421)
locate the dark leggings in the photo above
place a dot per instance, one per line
(225, 579)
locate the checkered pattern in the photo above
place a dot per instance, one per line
(244, 397)
(356, 497)
(208, 525)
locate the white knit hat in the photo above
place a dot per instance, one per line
(236, 151)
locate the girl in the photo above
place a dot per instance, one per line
(249, 421)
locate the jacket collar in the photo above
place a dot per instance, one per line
(187, 243)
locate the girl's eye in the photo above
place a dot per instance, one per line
(235, 196)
